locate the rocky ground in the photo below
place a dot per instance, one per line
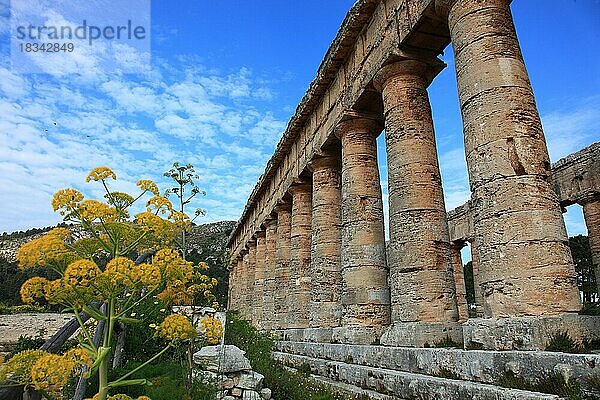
(33, 324)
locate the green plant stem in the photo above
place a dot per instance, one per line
(84, 329)
(144, 364)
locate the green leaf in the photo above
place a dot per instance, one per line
(94, 313)
(127, 320)
(130, 382)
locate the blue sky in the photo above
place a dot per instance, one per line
(225, 78)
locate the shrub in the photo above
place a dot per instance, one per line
(562, 342)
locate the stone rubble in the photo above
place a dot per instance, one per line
(229, 367)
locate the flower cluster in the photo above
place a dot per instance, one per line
(176, 327)
(47, 251)
(212, 329)
(44, 371)
(100, 174)
(81, 273)
(148, 186)
(66, 200)
(92, 210)
(121, 397)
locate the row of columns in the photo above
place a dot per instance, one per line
(322, 257)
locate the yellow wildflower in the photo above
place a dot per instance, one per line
(212, 329)
(91, 210)
(48, 250)
(79, 357)
(51, 372)
(19, 366)
(180, 219)
(100, 173)
(122, 271)
(66, 200)
(33, 289)
(176, 327)
(149, 186)
(150, 275)
(159, 204)
(58, 292)
(81, 273)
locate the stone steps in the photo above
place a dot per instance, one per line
(405, 385)
(480, 366)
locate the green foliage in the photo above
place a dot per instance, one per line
(448, 343)
(590, 309)
(469, 282)
(304, 369)
(21, 309)
(168, 381)
(552, 383)
(562, 342)
(11, 279)
(582, 257)
(28, 343)
(283, 383)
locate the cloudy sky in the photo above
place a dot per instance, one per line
(223, 80)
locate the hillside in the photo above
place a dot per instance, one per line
(207, 243)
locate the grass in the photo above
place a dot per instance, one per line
(283, 383)
(551, 383)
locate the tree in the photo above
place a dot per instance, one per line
(582, 257)
(97, 276)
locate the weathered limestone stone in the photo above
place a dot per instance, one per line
(299, 284)
(282, 264)
(251, 380)
(420, 259)
(527, 333)
(251, 269)
(266, 393)
(365, 296)
(591, 213)
(269, 276)
(224, 360)
(259, 279)
(459, 283)
(250, 395)
(524, 260)
(326, 306)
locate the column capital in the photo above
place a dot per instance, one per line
(324, 161)
(269, 222)
(251, 244)
(260, 234)
(588, 198)
(424, 66)
(300, 186)
(355, 122)
(283, 207)
(443, 7)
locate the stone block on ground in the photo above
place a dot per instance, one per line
(251, 380)
(251, 395)
(227, 360)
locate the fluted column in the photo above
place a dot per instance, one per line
(591, 213)
(234, 283)
(419, 255)
(459, 283)
(365, 290)
(243, 296)
(259, 280)
(326, 306)
(251, 269)
(299, 301)
(282, 264)
(269, 276)
(524, 261)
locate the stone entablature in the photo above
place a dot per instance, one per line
(330, 279)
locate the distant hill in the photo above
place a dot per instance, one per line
(207, 242)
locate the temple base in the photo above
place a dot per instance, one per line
(423, 334)
(528, 333)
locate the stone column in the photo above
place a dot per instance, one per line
(299, 300)
(269, 277)
(459, 283)
(259, 280)
(251, 269)
(591, 213)
(365, 290)
(419, 255)
(326, 306)
(233, 292)
(524, 260)
(282, 264)
(243, 284)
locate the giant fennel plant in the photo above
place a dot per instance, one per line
(109, 291)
